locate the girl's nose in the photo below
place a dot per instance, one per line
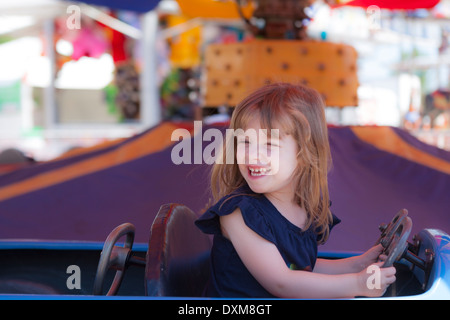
(257, 154)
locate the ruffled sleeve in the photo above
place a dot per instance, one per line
(254, 219)
(335, 221)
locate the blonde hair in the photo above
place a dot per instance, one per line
(298, 111)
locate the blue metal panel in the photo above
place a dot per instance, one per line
(140, 6)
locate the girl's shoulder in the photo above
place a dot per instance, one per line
(242, 197)
(251, 206)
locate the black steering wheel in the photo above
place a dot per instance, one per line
(114, 257)
(394, 237)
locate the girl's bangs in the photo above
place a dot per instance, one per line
(269, 116)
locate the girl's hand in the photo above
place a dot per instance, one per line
(371, 256)
(374, 280)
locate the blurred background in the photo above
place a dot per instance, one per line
(71, 73)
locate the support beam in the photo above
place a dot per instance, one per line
(149, 92)
(50, 112)
(111, 22)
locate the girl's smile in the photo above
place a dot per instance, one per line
(257, 171)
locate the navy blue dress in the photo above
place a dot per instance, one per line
(230, 277)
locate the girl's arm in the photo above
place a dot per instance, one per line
(350, 265)
(264, 262)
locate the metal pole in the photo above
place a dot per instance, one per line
(149, 92)
(49, 91)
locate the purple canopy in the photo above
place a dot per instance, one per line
(85, 195)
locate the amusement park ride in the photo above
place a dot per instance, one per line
(281, 52)
(175, 261)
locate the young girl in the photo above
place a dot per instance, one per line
(272, 206)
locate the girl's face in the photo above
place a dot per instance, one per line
(267, 163)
